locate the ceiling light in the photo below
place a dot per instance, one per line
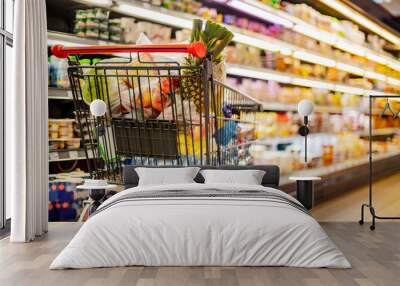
(362, 20)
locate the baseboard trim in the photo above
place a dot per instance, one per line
(5, 231)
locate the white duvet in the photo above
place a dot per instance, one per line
(200, 231)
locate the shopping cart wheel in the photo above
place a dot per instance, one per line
(361, 222)
(372, 227)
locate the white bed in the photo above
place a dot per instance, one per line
(185, 230)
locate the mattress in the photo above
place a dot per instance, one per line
(201, 225)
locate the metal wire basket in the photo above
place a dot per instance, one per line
(141, 112)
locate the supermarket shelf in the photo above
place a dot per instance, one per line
(336, 168)
(269, 13)
(64, 139)
(276, 106)
(66, 39)
(184, 21)
(60, 93)
(286, 78)
(67, 155)
(68, 175)
(74, 177)
(236, 70)
(290, 139)
(346, 176)
(66, 94)
(379, 132)
(363, 20)
(296, 138)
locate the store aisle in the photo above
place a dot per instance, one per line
(347, 206)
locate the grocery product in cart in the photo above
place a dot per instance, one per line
(156, 112)
(138, 92)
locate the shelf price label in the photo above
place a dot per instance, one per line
(53, 156)
(73, 154)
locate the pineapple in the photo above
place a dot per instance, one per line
(216, 38)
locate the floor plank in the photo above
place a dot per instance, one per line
(346, 207)
(375, 257)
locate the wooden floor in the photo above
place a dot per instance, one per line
(386, 200)
(375, 257)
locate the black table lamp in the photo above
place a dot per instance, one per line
(98, 108)
(305, 109)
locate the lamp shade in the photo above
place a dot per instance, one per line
(98, 107)
(305, 107)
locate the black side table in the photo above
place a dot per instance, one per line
(97, 192)
(305, 190)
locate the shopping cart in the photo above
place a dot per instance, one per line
(137, 110)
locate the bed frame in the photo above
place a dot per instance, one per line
(270, 179)
(131, 179)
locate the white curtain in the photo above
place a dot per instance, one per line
(26, 123)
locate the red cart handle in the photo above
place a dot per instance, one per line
(197, 49)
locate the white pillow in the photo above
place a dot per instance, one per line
(166, 176)
(248, 177)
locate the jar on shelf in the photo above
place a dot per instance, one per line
(327, 154)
